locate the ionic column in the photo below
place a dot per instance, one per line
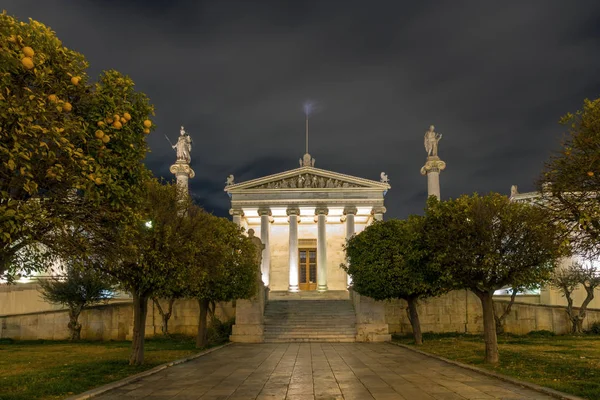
(349, 213)
(183, 173)
(265, 227)
(378, 213)
(237, 215)
(321, 213)
(432, 168)
(293, 214)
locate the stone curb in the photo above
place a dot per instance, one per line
(532, 386)
(130, 379)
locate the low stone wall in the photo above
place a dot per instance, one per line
(371, 324)
(460, 311)
(106, 322)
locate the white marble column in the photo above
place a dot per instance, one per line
(237, 215)
(321, 213)
(349, 213)
(265, 227)
(378, 213)
(183, 173)
(293, 214)
(432, 168)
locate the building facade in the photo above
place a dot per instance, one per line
(303, 217)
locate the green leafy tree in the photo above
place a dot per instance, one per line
(388, 261)
(224, 268)
(570, 183)
(71, 151)
(584, 274)
(77, 289)
(148, 257)
(489, 242)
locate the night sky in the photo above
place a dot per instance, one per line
(493, 77)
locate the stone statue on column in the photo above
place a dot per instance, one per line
(183, 146)
(181, 169)
(433, 166)
(431, 141)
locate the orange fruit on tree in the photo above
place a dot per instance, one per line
(590, 173)
(106, 139)
(127, 116)
(100, 123)
(75, 80)
(99, 134)
(53, 98)
(123, 120)
(117, 125)
(146, 131)
(147, 123)
(116, 117)
(109, 120)
(67, 106)
(27, 62)
(28, 51)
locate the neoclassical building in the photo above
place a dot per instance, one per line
(303, 217)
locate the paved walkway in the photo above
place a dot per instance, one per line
(305, 371)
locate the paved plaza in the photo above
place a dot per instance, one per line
(303, 371)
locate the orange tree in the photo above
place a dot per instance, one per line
(71, 150)
(488, 242)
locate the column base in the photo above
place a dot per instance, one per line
(322, 288)
(293, 289)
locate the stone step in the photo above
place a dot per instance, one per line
(309, 329)
(309, 323)
(309, 320)
(299, 320)
(284, 295)
(349, 336)
(311, 340)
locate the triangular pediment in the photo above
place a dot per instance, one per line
(307, 178)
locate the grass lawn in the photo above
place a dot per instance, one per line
(57, 369)
(570, 364)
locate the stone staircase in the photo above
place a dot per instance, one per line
(309, 321)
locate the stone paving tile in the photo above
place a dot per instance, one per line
(318, 371)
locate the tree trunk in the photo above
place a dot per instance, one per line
(413, 316)
(500, 320)
(570, 312)
(201, 338)
(74, 325)
(165, 316)
(578, 322)
(489, 327)
(140, 310)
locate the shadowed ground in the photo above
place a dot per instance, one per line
(319, 371)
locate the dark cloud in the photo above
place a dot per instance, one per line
(494, 77)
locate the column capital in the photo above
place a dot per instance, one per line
(182, 168)
(236, 212)
(433, 164)
(264, 211)
(292, 211)
(378, 210)
(350, 210)
(321, 210)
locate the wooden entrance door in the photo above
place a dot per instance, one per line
(307, 274)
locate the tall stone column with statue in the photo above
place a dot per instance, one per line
(181, 169)
(433, 166)
(249, 314)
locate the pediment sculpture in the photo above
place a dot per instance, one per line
(307, 181)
